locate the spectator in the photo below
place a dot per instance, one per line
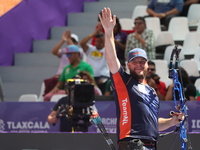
(137, 103)
(86, 76)
(141, 38)
(120, 40)
(189, 90)
(60, 52)
(186, 6)
(96, 58)
(76, 65)
(65, 121)
(164, 9)
(153, 80)
(108, 88)
(1, 91)
(65, 124)
(98, 29)
(69, 39)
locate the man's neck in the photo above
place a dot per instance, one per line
(76, 63)
(99, 48)
(143, 81)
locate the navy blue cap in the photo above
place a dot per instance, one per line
(137, 52)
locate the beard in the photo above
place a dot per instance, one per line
(138, 76)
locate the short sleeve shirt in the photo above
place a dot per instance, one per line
(137, 108)
(69, 72)
(97, 59)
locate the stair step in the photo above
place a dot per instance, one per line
(36, 59)
(45, 46)
(13, 90)
(26, 73)
(115, 6)
(91, 19)
(81, 31)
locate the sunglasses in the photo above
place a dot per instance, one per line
(69, 55)
(151, 69)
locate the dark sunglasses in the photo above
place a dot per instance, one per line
(151, 69)
(69, 55)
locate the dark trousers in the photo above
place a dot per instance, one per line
(137, 144)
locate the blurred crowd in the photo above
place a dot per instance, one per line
(87, 55)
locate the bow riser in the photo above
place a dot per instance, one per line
(178, 96)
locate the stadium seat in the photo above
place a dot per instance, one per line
(197, 57)
(191, 42)
(163, 40)
(162, 71)
(139, 11)
(178, 27)
(197, 84)
(193, 15)
(126, 23)
(153, 23)
(198, 27)
(56, 97)
(41, 92)
(190, 66)
(28, 98)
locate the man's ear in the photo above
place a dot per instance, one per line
(128, 65)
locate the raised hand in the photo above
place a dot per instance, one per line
(66, 35)
(107, 20)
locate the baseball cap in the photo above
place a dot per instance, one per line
(75, 37)
(136, 52)
(72, 49)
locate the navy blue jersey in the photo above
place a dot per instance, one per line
(137, 108)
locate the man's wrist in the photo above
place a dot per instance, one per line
(91, 35)
(59, 88)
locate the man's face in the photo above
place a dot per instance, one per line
(72, 57)
(139, 26)
(99, 43)
(138, 67)
(151, 70)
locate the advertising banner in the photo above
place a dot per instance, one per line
(31, 117)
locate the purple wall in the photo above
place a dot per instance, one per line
(32, 20)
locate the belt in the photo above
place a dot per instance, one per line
(149, 142)
(125, 144)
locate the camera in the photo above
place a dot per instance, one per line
(81, 99)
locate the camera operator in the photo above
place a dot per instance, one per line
(59, 112)
(65, 125)
(153, 80)
(72, 118)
